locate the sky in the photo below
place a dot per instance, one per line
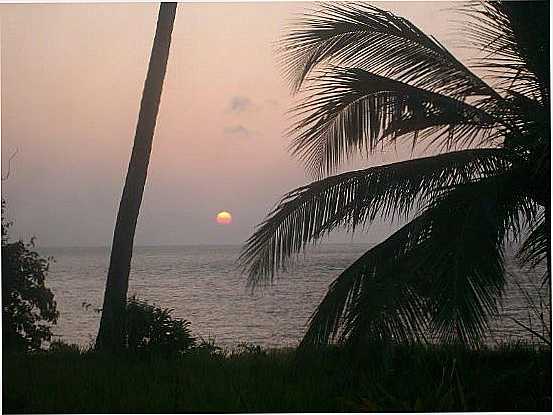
(71, 83)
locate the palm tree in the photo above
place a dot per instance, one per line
(111, 333)
(371, 79)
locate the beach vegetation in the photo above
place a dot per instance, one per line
(28, 306)
(410, 378)
(153, 330)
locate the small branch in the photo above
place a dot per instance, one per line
(535, 333)
(10, 165)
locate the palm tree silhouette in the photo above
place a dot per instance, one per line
(111, 332)
(372, 79)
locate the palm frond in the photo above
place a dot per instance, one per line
(526, 119)
(352, 110)
(441, 273)
(514, 35)
(362, 36)
(356, 198)
(533, 251)
(468, 281)
(377, 276)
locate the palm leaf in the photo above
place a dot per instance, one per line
(533, 251)
(350, 199)
(467, 284)
(526, 118)
(363, 36)
(434, 274)
(352, 110)
(338, 316)
(514, 35)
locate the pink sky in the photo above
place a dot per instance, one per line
(72, 77)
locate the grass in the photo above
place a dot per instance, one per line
(407, 378)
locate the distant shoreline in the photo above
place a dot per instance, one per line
(53, 247)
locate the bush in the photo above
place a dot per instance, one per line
(209, 349)
(152, 330)
(28, 306)
(65, 349)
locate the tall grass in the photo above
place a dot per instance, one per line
(253, 380)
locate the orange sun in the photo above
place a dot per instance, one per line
(224, 217)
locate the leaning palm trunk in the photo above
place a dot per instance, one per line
(111, 333)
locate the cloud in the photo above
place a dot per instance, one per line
(240, 104)
(237, 131)
(270, 102)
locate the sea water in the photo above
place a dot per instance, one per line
(203, 284)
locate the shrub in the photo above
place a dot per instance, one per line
(65, 348)
(28, 306)
(249, 349)
(152, 330)
(208, 348)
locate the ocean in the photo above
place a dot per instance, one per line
(203, 284)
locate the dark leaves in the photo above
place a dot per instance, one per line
(434, 277)
(533, 251)
(355, 198)
(362, 36)
(351, 110)
(383, 79)
(28, 306)
(514, 36)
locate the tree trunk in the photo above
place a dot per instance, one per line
(548, 230)
(111, 333)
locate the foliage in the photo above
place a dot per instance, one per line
(414, 379)
(538, 306)
(28, 306)
(152, 330)
(60, 347)
(370, 79)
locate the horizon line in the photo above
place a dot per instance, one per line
(179, 245)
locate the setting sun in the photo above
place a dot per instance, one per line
(224, 217)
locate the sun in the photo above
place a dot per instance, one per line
(224, 217)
